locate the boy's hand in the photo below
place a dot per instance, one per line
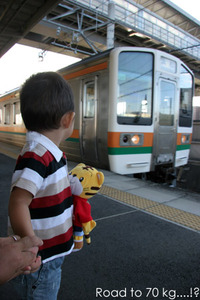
(33, 267)
(17, 256)
(35, 264)
(76, 186)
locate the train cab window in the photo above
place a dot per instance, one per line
(186, 94)
(89, 100)
(167, 100)
(17, 113)
(7, 109)
(135, 87)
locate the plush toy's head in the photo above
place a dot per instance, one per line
(90, 179)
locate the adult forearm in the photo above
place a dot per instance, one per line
(16, 257)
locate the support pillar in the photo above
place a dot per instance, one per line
(111, 25)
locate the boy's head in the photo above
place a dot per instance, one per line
(45, 98)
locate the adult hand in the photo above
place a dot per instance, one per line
(18, 256)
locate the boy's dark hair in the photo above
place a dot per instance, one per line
(45, 98)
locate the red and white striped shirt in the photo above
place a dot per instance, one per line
(41, 169)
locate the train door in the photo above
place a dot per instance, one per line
(165, 129)
(89, 119)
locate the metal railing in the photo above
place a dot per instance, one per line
(137, 18)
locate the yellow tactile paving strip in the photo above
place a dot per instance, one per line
(173, 214)
(9, 153)
(9, 150)
(128, 198)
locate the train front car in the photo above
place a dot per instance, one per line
(150, 111)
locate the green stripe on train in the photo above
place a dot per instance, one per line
(75, 140)
(139, 150)
(12, 132)
(132, 150)
(183, 147)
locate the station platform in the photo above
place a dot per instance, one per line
(146, 243)
(171, 203)
(175, 204)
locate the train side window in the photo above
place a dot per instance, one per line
(89, 100)
(186, 94)
(17, 113)
(7, 109)
(135, 88)
(1, 115)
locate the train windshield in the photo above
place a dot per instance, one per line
(135, 81)
(186, 93)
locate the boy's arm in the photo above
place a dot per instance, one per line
(19, 214)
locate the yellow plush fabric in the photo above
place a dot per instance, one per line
(91, 181)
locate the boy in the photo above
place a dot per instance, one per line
(41, 200)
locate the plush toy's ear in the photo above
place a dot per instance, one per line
(100, 178)
(81, 165)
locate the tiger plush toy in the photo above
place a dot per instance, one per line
(91, 181)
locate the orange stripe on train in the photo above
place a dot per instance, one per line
(85, 71)
(114, 139)
(179, 136)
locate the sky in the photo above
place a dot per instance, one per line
(20, 61)
(190, 6)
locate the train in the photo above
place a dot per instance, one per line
(133, 110)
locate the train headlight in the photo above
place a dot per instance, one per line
(185, 138)
(131, 139)
(135, 139)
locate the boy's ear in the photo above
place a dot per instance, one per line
(67, 119)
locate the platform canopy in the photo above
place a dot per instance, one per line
(17, 18)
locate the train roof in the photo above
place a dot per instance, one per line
(13, 91)
(87, 60)
(104, 54)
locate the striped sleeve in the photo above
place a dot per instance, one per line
(29, 173)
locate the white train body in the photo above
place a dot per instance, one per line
(133, 111)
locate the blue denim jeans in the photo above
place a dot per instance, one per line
(41, 285)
